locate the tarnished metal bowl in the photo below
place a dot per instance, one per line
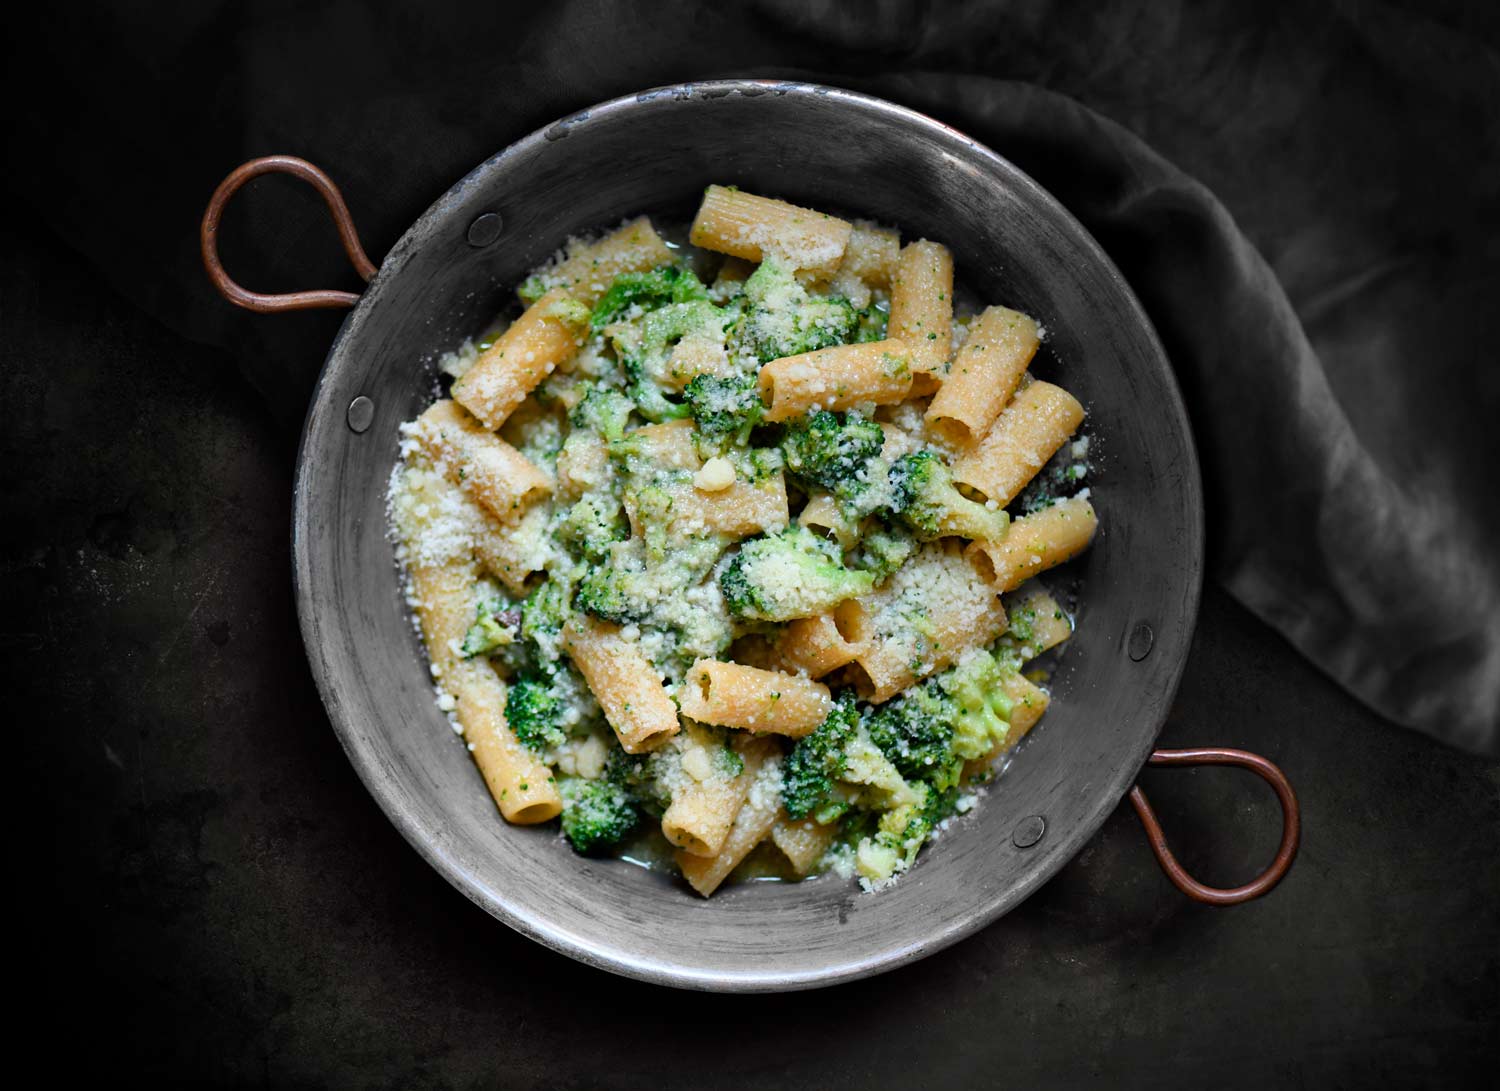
(822, 147)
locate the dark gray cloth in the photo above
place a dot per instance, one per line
(1340, 386)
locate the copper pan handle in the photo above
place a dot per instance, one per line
(286, 301)
(1291, 825)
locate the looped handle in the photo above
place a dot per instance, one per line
(1291, 825)
(286, 301)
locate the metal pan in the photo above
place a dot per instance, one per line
(818, 146)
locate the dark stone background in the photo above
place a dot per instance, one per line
(207, 892)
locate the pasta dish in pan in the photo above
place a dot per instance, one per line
(730, 545)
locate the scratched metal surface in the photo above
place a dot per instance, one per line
(815, 146)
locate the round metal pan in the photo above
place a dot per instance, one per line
(822, 147)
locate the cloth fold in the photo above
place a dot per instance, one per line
(1337, 395)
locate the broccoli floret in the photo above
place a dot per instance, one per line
(604, 411)
(542, 617)
(597, 813)
(873, 323)
(496, 624)
(884, 550)
(609, 593)
(976, 687)
(817, 761)
(1061, 478)
(915, 731)
(637, 775)
(592, 525)
(784, 320)
(929, 732)
(833, 450)
(725, 409)
(533, 711)
(902, 832)
(663, 285)
(645, 352)
(925, 499)
(792, 574)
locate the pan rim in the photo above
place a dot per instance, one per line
(668, 969)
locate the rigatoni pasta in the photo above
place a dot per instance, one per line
(1025, 435)
(490, 470)
(984, 374)
(551, 331)
(745, 226)
(753, 699)
(720, 552)
(922, 309)
(878, 373)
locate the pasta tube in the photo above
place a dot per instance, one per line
(734, 695)
(733, 222)
(751, 825)
(824, 514)
(479, 462)
(708, 796)
(818, 645)
(521, 784)
(589, 268)
(803, 840)
(932, 610)
(627, 686)
(984, 375)
(1035, 543)
(837, 378)
(1019, 443)
(551, 331)
(1036, 621)
(922, 309)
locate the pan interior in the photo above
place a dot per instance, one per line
(1013, 244)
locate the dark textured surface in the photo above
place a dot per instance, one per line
(215, 896)
(208, 892)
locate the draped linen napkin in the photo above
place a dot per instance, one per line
(1340, 387)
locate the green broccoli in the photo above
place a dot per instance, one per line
(496, 624)
(818, 759)
(915, 731)
(783, 319)
(925, 499)
(883, 550)
(637, 775)
(1060, 478)
(902, 832)
(755, 464)
(533, 711)
(932, 729)
(663, 285)
(833, 450)
(725, 409)
(603, 411)
(543, 615)
(792, 574)
(611, 593)
(976, 687)
(597, 813)
(645, 355)
(873, 322)
(592, 525)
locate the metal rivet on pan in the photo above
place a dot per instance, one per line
(485, 229)
(1029, 832)
(361, 413)
(1141, 639)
